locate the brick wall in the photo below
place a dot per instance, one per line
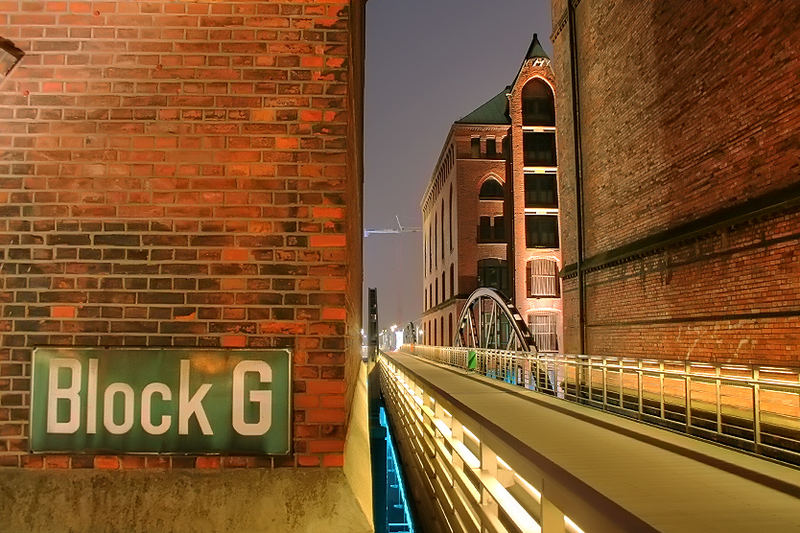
(178, 173)
(685, 113)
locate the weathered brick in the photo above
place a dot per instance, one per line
(673, 136)
(156, 190)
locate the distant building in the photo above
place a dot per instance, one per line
(490, 212)
(680, 195)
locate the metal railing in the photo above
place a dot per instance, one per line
(469, 487)
(750, 407)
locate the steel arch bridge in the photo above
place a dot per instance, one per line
(489, 320)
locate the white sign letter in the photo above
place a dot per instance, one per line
(108, 408)
(69, 394)
(147, 394)
(91, 399)
(194, 406)
(262, 397)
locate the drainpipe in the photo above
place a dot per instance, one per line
(576, 133)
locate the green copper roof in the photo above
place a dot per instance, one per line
(535, 49)
(495, 111)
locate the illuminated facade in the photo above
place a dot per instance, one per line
(490, 212)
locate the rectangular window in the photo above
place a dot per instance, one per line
(475, 147)
(540, 190)
(543, 281)
(544, 328)
(499, 229)
(491, 148)
(485, 229)
(541, 231)
(506, 147)
(539, 149)
(493, 273)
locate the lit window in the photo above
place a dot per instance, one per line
(544, 329)
(543, 281)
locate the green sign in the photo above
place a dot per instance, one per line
(161, 400)
(472, 360)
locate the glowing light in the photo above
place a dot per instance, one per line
(571, 526)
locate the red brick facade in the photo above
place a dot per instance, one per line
(183, 174)
(690, 154)
(468, 230)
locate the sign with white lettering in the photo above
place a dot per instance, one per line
(168, 400)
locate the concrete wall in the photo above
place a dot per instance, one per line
(282, 500)
(691, 151)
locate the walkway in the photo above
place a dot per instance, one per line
(640, 473)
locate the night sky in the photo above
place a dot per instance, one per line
(429, 63)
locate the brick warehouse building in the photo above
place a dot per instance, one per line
(185, 174)
(490, 212)
(679, 201)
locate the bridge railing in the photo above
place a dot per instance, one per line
(751, 407)
(467, 475)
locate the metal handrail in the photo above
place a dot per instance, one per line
(751, 407)
(462, 472)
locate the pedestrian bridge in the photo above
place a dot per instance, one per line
(490, 442)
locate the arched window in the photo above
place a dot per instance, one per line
(452, 280)
(442, 341)
(491, 190)
(543, 281)
(537, 104)
(450, 217)
(493, 273)
(450, 329)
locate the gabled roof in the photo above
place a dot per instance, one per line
(536, 50)
(495, 111)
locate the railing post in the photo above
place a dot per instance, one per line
(661, 387)
(756, 410)
(639, 383)
(718, 383)
(489, 465)
(605, 383)
(552, 517)
(687, 366)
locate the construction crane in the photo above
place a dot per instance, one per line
(400, 229)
